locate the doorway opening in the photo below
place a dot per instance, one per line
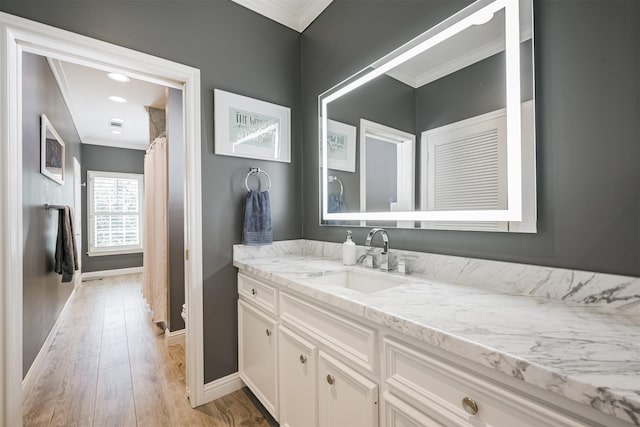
(18, 36)
(124, 307)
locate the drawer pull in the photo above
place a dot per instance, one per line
(470, 406)
(268, 332)
(330, 379)
(253, 292)
(303, 359)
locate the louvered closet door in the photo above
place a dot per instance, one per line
(467, 170)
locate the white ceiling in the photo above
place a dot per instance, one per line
(86, 92)
(471, 45)
(295, 14)
(461, 50)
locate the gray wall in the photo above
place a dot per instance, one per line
(238, 51)
(382, 175)
(587, 88)
(175, 206)
(471, 91)
(107, 159)
(44, 294)
(587, 124)
(384, 100)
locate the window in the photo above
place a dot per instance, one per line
(114, 213)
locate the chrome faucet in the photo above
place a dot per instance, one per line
(384, 256)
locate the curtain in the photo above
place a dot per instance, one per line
(155, 266)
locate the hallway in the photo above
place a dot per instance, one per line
(108, 365)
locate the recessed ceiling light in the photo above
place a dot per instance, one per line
(117, 132)
(118, 99)
(117, 120)
(483, 17)
(118, 77)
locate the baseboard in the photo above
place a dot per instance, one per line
(221, 387)
(107, 273)
(35, 366)
(174, 338)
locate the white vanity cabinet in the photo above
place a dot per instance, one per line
(346, 397)
(298, 373)
(423, 389)
(341, 361)
(258, 341)
(313, 365)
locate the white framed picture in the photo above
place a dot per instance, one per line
(247, 127)
(341, 140)
(52, 152)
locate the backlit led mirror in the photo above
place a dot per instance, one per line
(440, 132)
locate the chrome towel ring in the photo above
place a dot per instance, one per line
(256, 171)
(333, 178)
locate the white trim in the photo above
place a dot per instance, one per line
(27, 382)
(123, 250)
(297, 20)
(63, 84)
(18, 35)
(222, 387)
(451, 66)
(116, 144)
(109, 273)
(10, 228)
(174, 338)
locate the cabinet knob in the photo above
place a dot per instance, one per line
(470, 406)
(268, 332)
(303, 359)
(330, 379)
(253, 292)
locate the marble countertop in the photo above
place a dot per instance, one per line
(586, 355)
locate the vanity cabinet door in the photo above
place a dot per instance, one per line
(396, 413)
(257, 345)
(346, 397)
(298, 395)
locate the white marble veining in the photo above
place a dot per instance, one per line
(619, 294)
(532, 331)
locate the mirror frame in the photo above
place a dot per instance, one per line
(439, 33)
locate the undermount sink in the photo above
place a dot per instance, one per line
(358, 280)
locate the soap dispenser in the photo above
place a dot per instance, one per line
(348, 250)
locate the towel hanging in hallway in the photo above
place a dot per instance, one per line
(66, 250)
(257, 230)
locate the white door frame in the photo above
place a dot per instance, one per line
(19, 35)
(77, 213)
(406, 170)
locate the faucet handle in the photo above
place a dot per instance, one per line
(403, 263)
(384, 261)
(370, 259)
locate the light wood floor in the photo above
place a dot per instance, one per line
(109, 366)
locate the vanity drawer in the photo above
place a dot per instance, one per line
(258, 293)
(351, 340)
(438, 389)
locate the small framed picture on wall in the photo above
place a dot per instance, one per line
(247, 127)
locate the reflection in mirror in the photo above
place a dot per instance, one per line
(387, 171)
(465, 89)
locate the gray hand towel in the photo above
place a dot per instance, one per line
(257, 219)
(336, 204)
(66, 251)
